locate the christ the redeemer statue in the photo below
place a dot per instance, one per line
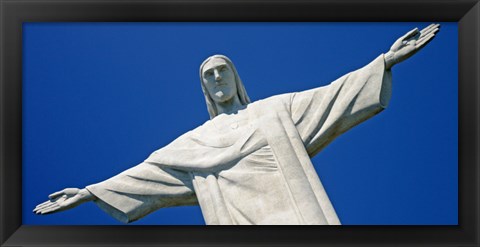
(250, 163)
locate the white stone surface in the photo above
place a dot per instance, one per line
(250, 164)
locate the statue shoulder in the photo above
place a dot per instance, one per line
(276, 100)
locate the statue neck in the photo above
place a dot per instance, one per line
(230, 106)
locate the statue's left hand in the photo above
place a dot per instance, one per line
(409, 44)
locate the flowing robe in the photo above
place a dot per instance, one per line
(252, 167)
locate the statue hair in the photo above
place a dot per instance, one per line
(241, 92)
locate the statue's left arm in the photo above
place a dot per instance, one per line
(322, 114)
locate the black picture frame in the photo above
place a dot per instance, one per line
(14, 12)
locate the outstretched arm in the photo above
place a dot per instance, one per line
(129, 195)
(322, 114)
(63, 200)
(409, 44)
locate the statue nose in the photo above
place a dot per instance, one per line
(217, 76)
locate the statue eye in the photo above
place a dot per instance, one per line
(223, 68)
(208, 73)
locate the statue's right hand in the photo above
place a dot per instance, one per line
(63, 200)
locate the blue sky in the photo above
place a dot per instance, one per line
(98, 98)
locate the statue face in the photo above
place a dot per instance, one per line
(219, 80)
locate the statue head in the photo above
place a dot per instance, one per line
(221, 83)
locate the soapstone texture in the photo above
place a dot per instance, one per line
(253, 166)
(250, 163)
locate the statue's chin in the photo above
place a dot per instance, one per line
(220, 97)
(219, 94)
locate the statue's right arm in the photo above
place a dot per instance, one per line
(63, 200)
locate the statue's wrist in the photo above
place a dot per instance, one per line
(85, 195)
(389, 59)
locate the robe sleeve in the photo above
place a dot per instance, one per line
(324, 113)
(141, 190)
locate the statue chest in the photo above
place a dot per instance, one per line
(226, 130)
